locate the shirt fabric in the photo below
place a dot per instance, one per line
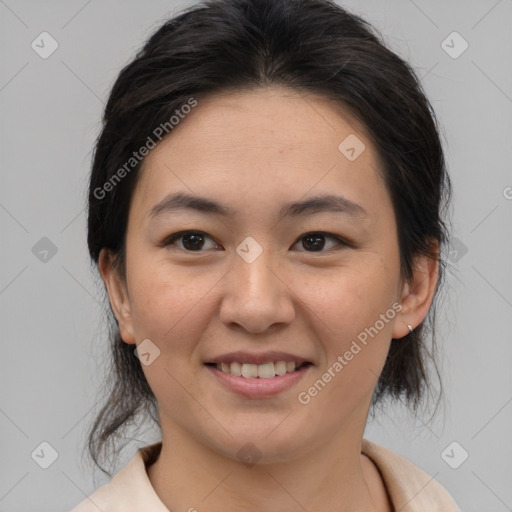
(410, 488)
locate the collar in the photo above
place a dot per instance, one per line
(409, 487)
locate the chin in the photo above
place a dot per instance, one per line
(261, 446)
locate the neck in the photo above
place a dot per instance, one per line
(332, 476)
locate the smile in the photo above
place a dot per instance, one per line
(262, 371)
(258, 380)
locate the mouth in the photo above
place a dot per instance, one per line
(259, 371)
(258, 380)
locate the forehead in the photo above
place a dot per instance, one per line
(267, 145)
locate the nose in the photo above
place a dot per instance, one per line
(256, 296)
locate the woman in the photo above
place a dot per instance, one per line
(266, 212)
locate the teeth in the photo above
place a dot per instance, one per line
(280, 367)
(266, 371)
(263, 371)
(249, 370)
(236, 369)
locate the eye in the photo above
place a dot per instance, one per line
(316, 241)
(192, 241)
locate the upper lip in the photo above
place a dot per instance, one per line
(256, 358)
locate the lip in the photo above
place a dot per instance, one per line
(256, 387)
(255, 358)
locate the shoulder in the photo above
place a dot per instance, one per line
(98, 500)
(129, 490)
(410, 488)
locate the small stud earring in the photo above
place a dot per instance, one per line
(410, 328)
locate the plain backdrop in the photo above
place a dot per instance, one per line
(52, 330)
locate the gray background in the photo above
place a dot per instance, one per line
(51, 311)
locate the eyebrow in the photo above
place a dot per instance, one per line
(317, 204)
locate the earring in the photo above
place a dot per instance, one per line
(410, 328)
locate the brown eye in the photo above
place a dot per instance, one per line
(316, 241)
(196, 241)
(191, 241)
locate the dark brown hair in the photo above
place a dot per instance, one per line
(309, 45)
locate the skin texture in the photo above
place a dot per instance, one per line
(254, 151)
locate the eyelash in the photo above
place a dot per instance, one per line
(176, 236)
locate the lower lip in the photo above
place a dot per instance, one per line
(258, 387)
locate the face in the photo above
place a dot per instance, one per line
(269, 281)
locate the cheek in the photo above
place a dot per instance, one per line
(169, 304)
(352, 299)
(355, 321)
(355, 338)
(172, 310)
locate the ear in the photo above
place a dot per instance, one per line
(417, 294)
(118, 295)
